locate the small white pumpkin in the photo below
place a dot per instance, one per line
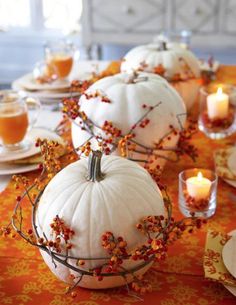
(126, 108)
(180, 66)
(111, 194)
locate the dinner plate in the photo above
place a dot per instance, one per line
(229, 257)
(11, 169)
(231, 162)
(45, 96)
(32, 136)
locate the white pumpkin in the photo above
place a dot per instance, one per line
(176, 61)
(126, 108)
(90, 206)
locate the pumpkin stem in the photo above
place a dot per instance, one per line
(94, 166)
(163, 46)
(135, 78)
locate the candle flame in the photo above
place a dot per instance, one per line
(199, 176)
(219, 91)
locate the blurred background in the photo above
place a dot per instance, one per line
(107, 29)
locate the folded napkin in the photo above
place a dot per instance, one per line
(223, 169)
(214, 267)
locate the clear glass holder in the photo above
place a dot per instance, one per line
(217, 113)
(198, 196)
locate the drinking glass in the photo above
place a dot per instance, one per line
(60, 56)
(15, 120)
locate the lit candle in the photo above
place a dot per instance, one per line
(198, 187)
(218, 105)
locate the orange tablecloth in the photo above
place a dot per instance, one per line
(26, 280)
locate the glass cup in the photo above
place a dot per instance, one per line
(15, 120)
(59, 56)
(217, 116)
(44, 73)
(198, 192)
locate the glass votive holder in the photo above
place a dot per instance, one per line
(198, 192)
(181, 37)
(217, 115)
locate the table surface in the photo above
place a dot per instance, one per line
(26, 280)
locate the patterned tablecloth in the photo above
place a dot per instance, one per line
(26, 280)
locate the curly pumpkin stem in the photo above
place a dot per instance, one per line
(163, 46)
(94, 167)
(135, 78)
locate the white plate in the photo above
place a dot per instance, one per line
(28, 82)
(11, 169)
(231, 162)
(228, 255)
(44, 96)
(32, 136)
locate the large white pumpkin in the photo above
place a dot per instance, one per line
(126, 108)
(92, 206)
(178, 63)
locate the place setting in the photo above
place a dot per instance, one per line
(51, 78)
(18, 134)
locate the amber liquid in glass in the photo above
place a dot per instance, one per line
(13, 127)
(62, 64)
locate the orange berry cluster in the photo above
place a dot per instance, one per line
(79, 86)
(183, 146)
(141, 285)
(151, 224)
(111, 130)
(96, 94)
(5, 231)
(176, 77)
(71, 107)
(125, 145)
(116, 247)
(31, 236)
(20, 180)
(62, 236)
(51, 164)
(159, 69)
(85, 149)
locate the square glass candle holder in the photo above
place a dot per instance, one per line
(198, 192)
(217, 115)
(181, 37)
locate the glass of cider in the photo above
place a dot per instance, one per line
(59, 56)
(15, 120)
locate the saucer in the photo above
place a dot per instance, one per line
(11, 169)
(32, 136)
